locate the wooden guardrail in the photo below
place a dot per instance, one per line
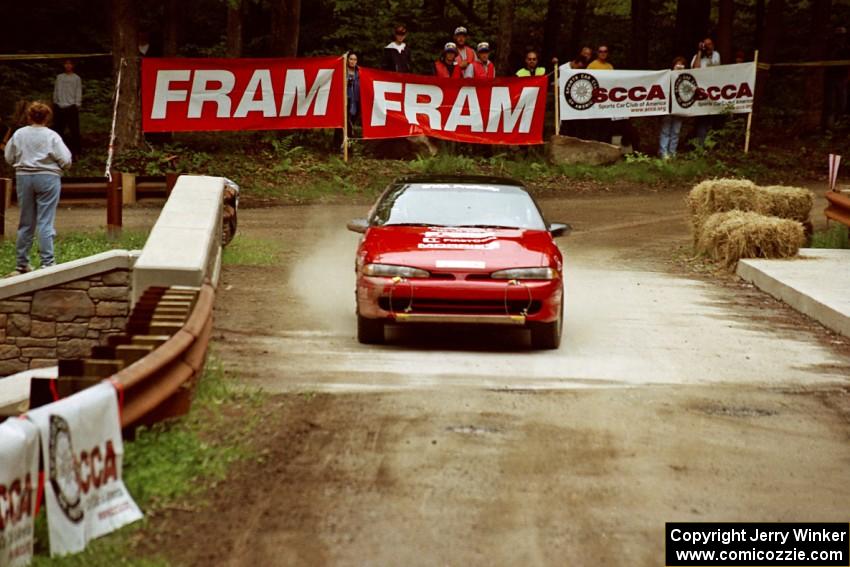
(838, 208)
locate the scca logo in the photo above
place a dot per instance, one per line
(15, 501)
(582, 91)
(634, 94)
(73, 476)
(687, 91)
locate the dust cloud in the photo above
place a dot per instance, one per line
(323, 276)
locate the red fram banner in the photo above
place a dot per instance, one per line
(500, 111)
(180, 95)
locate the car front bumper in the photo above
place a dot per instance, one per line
(496, 302)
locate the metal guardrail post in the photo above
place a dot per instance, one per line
(114, 205)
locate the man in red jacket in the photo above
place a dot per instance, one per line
(481, 68)
(465, 54)
(445, 67)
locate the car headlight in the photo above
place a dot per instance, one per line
(391, 271)
(525, 274)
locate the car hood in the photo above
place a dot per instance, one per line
(459, 249)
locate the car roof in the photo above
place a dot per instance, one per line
(459, 179)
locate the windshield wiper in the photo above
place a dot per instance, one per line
(486, 226)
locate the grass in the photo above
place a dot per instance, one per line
(72, 246)
(835, 236)
(246, 251)
(170, 462)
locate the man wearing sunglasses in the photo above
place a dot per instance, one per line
(531, 69)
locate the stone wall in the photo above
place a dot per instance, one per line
(62, 314)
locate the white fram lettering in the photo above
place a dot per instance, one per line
(163, 94)
(295, 89)
(202, 93)
(381, 105)
(413, 107)
(261, 81)
(501, 112)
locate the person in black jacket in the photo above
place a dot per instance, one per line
(396, 53)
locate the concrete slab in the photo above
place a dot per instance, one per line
(817, 283)
(15, 390)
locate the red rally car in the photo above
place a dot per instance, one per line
(458, 250)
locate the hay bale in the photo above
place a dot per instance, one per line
(718, 196)
(728, 237)
(785, 202)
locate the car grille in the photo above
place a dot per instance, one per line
(458, 307)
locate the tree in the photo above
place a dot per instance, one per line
(552, 31)
(235, 15)
(172, 26)
(286, 24)
(725, 41)
(577, 28)
(125, 57)
(820, 32)
(692, 17)
(505, 36)
(639, 54)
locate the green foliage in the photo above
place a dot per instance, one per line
(835, 236)
(443, 163)
(73, 246)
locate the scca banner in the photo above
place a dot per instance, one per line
(500, 111)
(714, 90)
(82, 452)
(612, 93)
(180, 95)
(18, 485)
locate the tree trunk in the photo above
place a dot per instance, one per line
(819, 50)
(552, 32)
(172, 27)
(759, 23)
(234, 28)
(505, 36)
(639, 53)
(725, 45)
(128, 131)
(692, 17)
(574, 44)
(286, 24)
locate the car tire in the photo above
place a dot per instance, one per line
(370, 331)
(547, 336)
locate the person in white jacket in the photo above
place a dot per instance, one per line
(39, 156)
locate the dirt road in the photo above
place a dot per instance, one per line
(673, 398)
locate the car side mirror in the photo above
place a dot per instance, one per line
(358, 225)
(559, 229)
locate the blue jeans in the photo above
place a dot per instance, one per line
(38, 197)
(669, 140)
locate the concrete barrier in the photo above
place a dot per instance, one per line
(816, 284)
(184, 246)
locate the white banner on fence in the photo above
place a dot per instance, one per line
(714, 90)
(82, 451)
(612, 94)
(18, 486)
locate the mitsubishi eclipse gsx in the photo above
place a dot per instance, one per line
(459, 250)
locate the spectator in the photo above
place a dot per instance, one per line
(740, 56)
(38, 156)
(671, 125)
(531, 69)
(465, 54)
(67, 99)
(601, 62)
(481, 68)
(396, 53)
(445, 66)
(353, 114)
(582, 59)
(705, 56)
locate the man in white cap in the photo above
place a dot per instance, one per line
(481, 68)
(465, 54)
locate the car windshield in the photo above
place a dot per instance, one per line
(461, 204)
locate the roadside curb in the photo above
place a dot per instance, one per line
(816, 284)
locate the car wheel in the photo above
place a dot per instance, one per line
(370, 331)
(547, 336)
